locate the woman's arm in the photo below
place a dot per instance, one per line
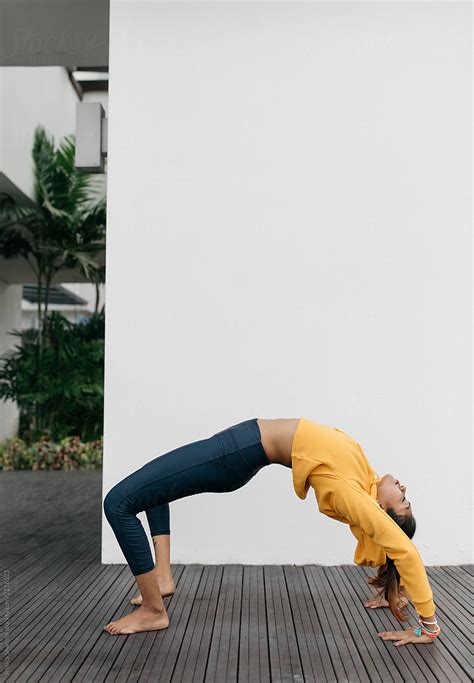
(352, 503)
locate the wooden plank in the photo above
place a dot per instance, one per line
(357, 661)
(228, 650)
(452, 633)
(254, 662)
(192, 661)
(440, 651)
(286, 617)
(283, 650)
(48, 554)
(341, 647)
(136, 648)
(436, 656)
(227, 623)
(56, 625)
(360, 629)
(446, 648)
(460, 577)
(448, 615)
(332, 639)
(44, 587)
(84, 629)
(222, 660)
(453, 610)
(406, 661)
(29, 548)
(348, 575)
(166, 648)
(47, 603)
(25, 567)
(315, 659)
(455, 590)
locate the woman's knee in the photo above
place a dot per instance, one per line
(114, 501)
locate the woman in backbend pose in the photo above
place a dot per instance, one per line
(326, 458)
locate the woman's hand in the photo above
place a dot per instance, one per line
(376, 602)
(404, 637)
(380, 601)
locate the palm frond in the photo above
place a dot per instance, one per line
(60, 188)
(43, 161)
(85, 262)
(78, 183)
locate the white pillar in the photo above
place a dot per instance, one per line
(10, 318)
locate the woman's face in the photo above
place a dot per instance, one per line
(391, 494)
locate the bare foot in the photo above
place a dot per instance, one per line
(141, 619)
(167, 587)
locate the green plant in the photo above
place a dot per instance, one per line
(44, 454)
(14, 455)
(70, 399)
(64, 230)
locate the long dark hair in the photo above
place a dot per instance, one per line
(387, 578)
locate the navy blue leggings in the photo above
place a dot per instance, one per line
(221, 463)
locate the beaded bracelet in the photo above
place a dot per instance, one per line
(422, 630)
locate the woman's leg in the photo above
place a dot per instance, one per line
(221, 463)
(159, 523)
(161, 544)
(151, 614)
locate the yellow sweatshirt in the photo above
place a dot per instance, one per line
(345, 486)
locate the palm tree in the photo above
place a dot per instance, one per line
(66, 228)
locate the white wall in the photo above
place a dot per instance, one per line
(32, 96)
(289, 191)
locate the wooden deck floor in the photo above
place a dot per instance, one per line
(227, 622)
